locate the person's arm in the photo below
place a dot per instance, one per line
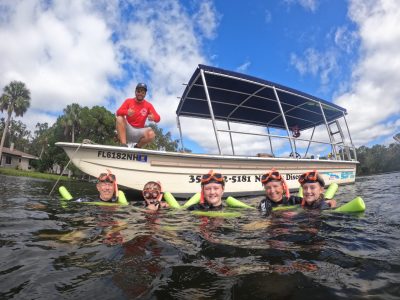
(123, 110)
(154, 116)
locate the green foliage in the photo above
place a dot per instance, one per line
(162, 141)
(98, 125)
(378, 159)
(15, 99)
(17, 134)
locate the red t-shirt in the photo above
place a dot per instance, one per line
(141, 110)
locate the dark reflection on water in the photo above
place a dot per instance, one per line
(71, 252)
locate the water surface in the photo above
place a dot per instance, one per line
(54, 251)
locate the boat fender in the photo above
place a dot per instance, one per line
(355, 205)
(193, 200)
(331, 191)
(170, 199)
(232, 202)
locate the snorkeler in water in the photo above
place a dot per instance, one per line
(276, 192)
(212, 189)
(106, 186)
(313, 191)
(153, 194)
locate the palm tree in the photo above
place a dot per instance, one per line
(71, 120)
(16, 98)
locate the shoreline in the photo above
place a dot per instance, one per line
(33, 174)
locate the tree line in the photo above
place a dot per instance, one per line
(77, 123)
(98, 125)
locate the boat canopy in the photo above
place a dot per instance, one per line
(221, 95)
(241, 98)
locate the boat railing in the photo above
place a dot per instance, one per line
(344, 152)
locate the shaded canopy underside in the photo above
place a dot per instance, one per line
(245, 99)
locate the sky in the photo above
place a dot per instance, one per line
(94, 53)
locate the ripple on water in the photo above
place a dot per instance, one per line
(80, 251)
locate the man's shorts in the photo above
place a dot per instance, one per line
(133, 134)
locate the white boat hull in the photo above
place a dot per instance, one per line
(179, 173)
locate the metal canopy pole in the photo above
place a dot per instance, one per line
(180, 131)
(203, 78)
(230, 136)
(284, 121)
(329, 131)
(270, 142)
(309, 142)
(351, 141)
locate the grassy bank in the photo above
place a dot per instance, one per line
(13, 172)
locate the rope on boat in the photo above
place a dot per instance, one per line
(85, 141)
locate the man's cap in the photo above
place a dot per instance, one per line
(141, 85)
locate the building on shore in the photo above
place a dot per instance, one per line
(13, 158)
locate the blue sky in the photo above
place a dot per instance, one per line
(94, 53)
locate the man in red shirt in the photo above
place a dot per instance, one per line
(131, 117)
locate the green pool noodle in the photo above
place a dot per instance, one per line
(102, 203)
(64, 193)
(170, 199)
(216, 214)
(285, 207)
(232, 202)
(355, 205)
(331, 191)
(300, 192)
(122, 199)
(193, 200)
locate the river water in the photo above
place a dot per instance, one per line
(53, 251)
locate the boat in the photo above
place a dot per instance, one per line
(227, 97)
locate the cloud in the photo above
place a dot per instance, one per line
(372, 99)
(243, 68)
(207, 19)
(267, 16)
(346, 39)
(63, 53)
(311, 5)
(316, 63)
(94, 52)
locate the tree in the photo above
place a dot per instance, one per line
(97, 125)
(162, 141)
(41, 140)
(71, 120)
(15, 99)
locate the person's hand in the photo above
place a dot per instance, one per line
(150, 117)
(332, 203)
(153, 206)
(130, 112)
